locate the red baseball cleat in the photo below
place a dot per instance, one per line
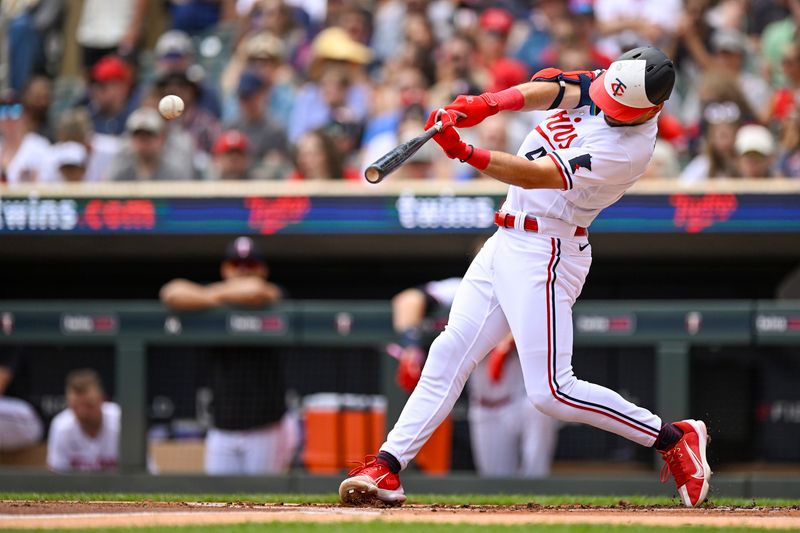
(687, 462)
(371, 482)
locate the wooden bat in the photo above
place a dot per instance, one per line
(399, 155)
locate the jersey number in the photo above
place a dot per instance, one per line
(536, 154)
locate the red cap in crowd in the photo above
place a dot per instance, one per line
(111, 68)
(496, 19)
(231, 141)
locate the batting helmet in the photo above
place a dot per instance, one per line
(635, 83)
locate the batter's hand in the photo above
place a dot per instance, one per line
(475, 109)
(448, 138)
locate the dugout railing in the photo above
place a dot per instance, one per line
(672, 329)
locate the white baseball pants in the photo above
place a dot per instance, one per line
(267, 450)
(515, 439)
(526, 282)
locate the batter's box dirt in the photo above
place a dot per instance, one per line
(55, 515)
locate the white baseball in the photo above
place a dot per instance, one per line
(171, 106)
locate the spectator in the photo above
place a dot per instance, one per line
(341, 61)
(285, 22)
(197, 121)
(267, 141)
(196, 17)
(29, 26)
(20, 425)
(264, 55)
(626, 24)
(37, 99)
(317, 158)
(755, 150)
(784, 101)
(75, 126)
(454, 74)
(174, 53)
(23, 152)
(539, 36)
(776, 37)
(111, 95)
(730, 47)
(231, 159)
(718, 157)
(70, 161)
(84, 437)
(109, 28)
(500, 72)
(664, 163)
(148, 154)
(789, 160)
(252, 433)
(509, 436)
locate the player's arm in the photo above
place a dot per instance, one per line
(57, 456)
(543, 173)
(185, 295)
(549, 88)
(250, 291)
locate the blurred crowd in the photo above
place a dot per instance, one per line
(316, 90)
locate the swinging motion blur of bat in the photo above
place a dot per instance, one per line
(399, 155)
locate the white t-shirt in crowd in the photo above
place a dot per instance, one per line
(30, 161)
(103, 23)
(69, 449)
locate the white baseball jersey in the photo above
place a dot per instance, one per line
(69, 449)
(526, 282)
(598, 164)
(509, 436)
(20, 426)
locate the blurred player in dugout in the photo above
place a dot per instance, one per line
(509, 436)
(84, 437)
(253, 432)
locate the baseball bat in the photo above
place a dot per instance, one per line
(399, 155)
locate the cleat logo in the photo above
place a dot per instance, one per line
(381, 478)
(700, 471)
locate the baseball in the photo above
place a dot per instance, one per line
(171, 106)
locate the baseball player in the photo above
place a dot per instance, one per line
(85, 436)
(509, 436)
(20, 425)
(253, 431)
(579, 160)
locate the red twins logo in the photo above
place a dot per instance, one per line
(618, 88)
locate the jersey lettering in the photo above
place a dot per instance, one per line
(536, 154)
(561, 129)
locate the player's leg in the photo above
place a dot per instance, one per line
(539, 312)
(538, 440)
(222, 456)
(476, 324)
(20, 426)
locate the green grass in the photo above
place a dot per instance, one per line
(381, 527)
(428, 499)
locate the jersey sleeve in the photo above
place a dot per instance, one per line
(581, 167)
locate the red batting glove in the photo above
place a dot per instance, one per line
(410, 368)
(450, 141)
(497, 360)
(477, 108)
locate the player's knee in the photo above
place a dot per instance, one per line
(544, 401)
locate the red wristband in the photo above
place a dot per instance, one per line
(508, 99)
(478, 157)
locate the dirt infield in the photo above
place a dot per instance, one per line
(54, 515)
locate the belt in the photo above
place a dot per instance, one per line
(493, 404)
(507, 220)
